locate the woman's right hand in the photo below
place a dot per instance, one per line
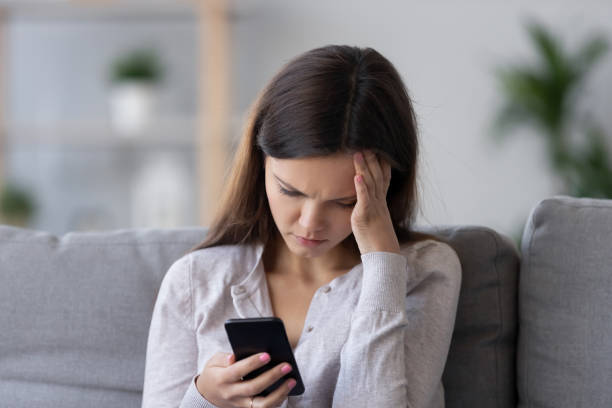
(221, 382)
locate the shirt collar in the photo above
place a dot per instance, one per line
(250, 296)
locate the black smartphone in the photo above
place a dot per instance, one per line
(264, 334)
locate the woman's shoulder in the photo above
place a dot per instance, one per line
(216, 260)
(229, 262)
(219, 252)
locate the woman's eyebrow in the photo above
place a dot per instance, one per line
(353, 197)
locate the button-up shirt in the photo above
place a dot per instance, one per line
(376, 336)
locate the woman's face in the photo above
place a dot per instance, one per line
(311, 198)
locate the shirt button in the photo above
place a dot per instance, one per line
(239, 290)
(326, 289)
(309, 329)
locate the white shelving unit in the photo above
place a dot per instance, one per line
(202, 138)
(100, 134)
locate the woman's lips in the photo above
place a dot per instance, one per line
(308, 242)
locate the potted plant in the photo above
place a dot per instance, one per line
(544, 95)
(17, 206)
(134, 79)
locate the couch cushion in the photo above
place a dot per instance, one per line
(480, 370)
(72, 302)
(565, 305)
(75, 313)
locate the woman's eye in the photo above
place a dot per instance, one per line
(288, 192)
(349, 205)
(297, 194)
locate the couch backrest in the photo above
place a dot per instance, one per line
(75, 313)
(480, 371)
(565, 305)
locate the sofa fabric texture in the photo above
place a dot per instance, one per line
(481, 366)
(75, 313)
(565, 304)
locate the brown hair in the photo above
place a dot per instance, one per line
(327, 100)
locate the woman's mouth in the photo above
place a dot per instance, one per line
(308, 242)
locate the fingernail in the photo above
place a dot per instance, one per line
(265, 357)
(291, 383)
(359, 178)
(359, 156)
(286, 369)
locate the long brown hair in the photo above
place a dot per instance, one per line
(327, 100)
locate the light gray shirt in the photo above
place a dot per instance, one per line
(377, 336)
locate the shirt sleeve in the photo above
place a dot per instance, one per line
(171, 359)
(400, 330)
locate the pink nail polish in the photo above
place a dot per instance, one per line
(291, 383)
(286, 369)
(264, 357)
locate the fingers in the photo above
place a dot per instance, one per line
(276, 397)
(239, 369)
(264, 380)
(387, 174)
(376, 173)
(361, 168)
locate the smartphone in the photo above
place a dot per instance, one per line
(264, 334)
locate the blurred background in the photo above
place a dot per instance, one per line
(125, 113)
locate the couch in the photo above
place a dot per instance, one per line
(532, 330)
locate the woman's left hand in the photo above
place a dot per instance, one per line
(370, 219)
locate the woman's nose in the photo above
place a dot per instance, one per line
(311, 217)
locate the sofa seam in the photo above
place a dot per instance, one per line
(500, 316)
(523, 276)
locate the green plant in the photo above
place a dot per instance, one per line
(543, 95)
(16, 205)
(137, 65)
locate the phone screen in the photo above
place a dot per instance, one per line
(264, 334)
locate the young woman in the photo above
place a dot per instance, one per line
(314, 228)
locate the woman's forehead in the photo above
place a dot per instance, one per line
(339, 162)
(331, 172)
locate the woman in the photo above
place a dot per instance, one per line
(314, 228)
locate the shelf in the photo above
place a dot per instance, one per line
(178, 132)
(175, 132)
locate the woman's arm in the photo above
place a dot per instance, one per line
(400, 330)
(171, 362)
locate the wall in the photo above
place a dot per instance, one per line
(445, 52)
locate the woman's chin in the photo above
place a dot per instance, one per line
(305, 248)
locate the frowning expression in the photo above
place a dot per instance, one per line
(311, 199)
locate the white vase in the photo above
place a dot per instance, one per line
(160, 193)
(132, 107)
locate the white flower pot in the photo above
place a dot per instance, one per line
(160, 193)
(132, 107)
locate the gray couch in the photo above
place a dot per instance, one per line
(75, 311)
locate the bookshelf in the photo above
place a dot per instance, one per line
(201, 137)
